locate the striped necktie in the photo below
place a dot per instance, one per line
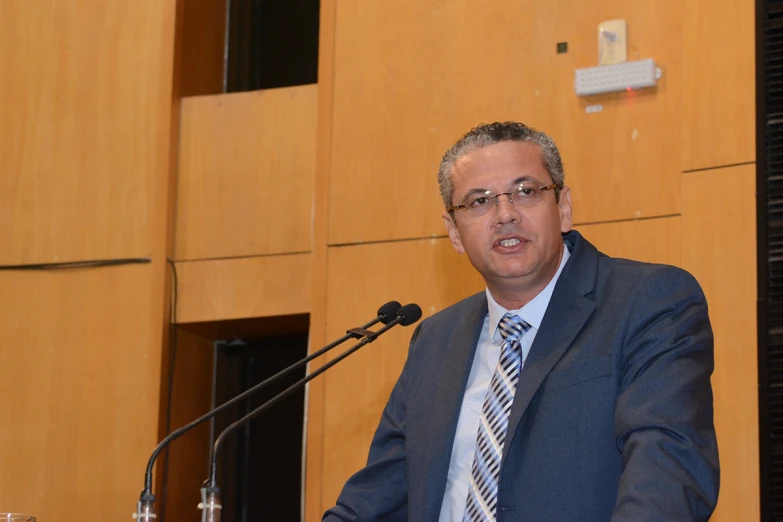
(483, 494)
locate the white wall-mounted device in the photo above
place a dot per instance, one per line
(625, 76)
(612, 42)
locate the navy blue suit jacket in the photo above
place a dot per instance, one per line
(612, 417)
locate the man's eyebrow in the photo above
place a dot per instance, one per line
(525, 178)
(471, 192)
(517, 181)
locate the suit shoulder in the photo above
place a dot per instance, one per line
(637, 273)
(646, 288)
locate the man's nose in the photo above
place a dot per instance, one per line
(507, 212)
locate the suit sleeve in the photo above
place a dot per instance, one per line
(379, 491)
(664, 412)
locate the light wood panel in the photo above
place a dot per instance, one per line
(411, 76)
(81, 377)
(360, 279)
(191, 398)
(247, 164)
(719, 249)
(651, 240)
(85, 98)
(719, 83)
(85, 173)
(223, 289)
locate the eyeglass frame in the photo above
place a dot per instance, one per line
(556, 187)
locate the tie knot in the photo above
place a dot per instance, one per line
(512, 327)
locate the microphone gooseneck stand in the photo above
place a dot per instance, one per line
(145, 511)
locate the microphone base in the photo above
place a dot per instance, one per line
(145, 511)
(210, 506)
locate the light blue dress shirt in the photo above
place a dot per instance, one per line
(484, 363)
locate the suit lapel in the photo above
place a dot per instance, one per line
(566, 314)
(456, 357)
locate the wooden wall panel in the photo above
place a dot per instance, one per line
(719, 249)
(81, 374)
(191, 398)
(223, 289)
(85, 98)
(719, 83)
(360, 279)
(247, 167)
(413, 75)
(651, 240)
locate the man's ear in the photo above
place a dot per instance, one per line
(451, 227)
(566, 210)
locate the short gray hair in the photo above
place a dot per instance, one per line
(491, 133)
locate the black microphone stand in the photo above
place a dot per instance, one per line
(145, 511)
(210, 493)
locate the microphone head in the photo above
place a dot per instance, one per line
(410, 313)
(388, 311)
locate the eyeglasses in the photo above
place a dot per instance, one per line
(525, 196)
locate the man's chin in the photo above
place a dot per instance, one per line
(511, 275)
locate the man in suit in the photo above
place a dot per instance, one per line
(576, 387)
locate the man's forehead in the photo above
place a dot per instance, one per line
(498, 154)
(504, 162)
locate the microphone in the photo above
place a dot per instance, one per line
(387, 314)
(406, 316)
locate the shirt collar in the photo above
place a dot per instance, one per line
(533, 312)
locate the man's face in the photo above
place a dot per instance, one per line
(514, 273)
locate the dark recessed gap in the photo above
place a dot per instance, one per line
(247, 45)
(260, 464)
